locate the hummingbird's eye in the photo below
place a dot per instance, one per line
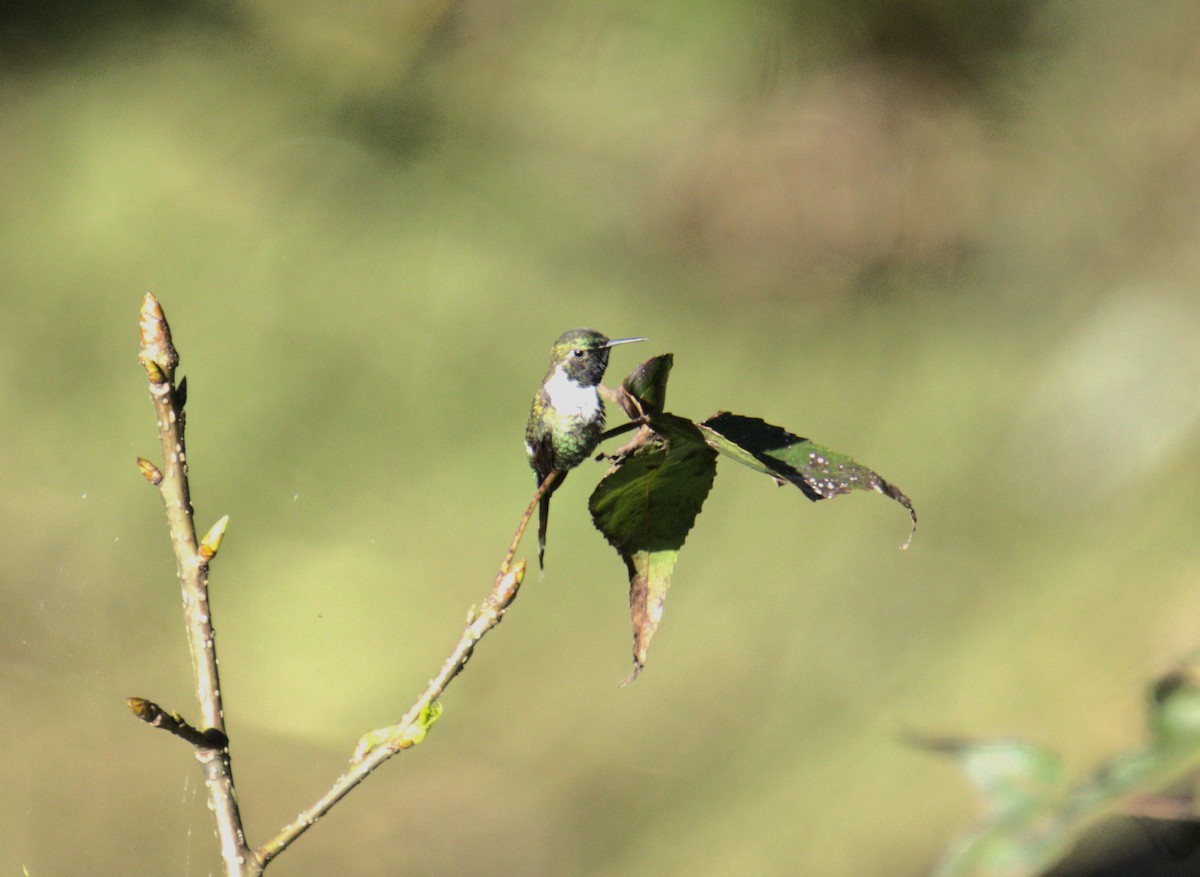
(577, 353)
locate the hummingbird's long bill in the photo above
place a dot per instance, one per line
(617, 341)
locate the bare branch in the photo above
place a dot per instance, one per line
(378, 746)
(159, 358)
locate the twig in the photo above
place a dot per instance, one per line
(516, 540)
(159, 358)
(378, 746)
(157, 717)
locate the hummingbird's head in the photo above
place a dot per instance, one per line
(583, 355)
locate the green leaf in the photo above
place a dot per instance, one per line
(648, 382)
(1015, 778)
(645, 505)
(1033, 818)
(787, 458)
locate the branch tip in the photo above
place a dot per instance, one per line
(158, 355)
(142, 708)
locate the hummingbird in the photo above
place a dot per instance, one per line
(567, 416)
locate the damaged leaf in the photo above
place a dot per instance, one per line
(648, 501)
(817, 471)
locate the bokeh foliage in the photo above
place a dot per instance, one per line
(958, 241)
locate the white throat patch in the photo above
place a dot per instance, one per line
(569, 398)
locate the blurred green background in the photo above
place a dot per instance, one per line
(960, 242)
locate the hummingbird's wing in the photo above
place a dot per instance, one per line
(541, 456)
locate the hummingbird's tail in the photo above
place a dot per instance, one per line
(543, 521)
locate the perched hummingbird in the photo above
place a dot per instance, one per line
(567, 417)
